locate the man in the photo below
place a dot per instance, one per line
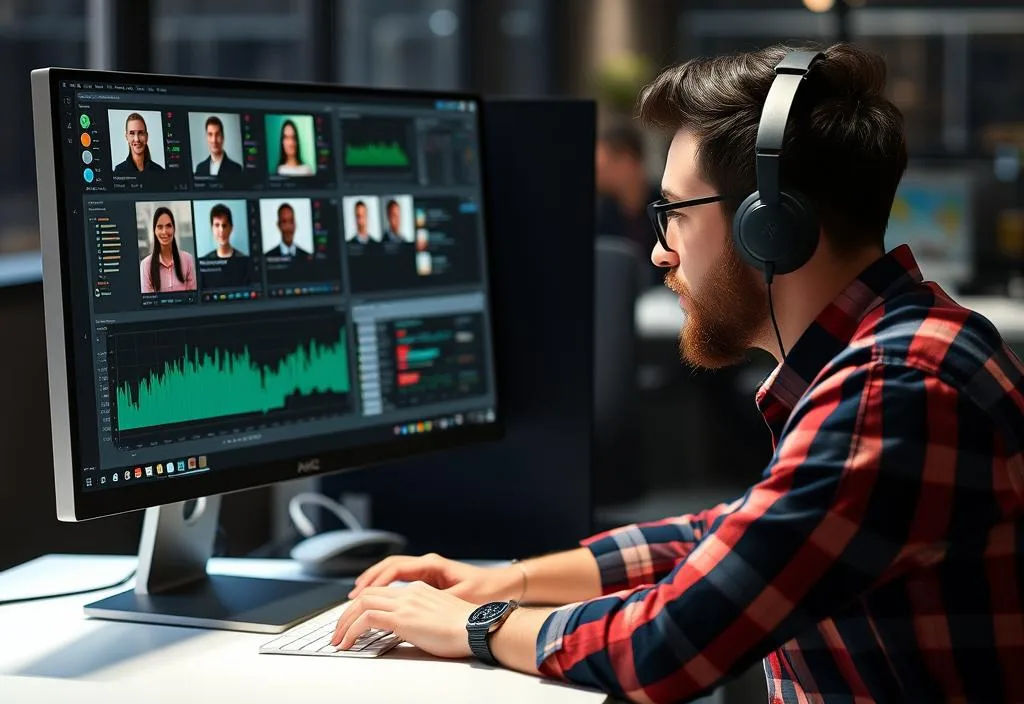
(225, 266)
(394, 213)
(218, 163)
(879, 557)
(362, 234)
(286, 226)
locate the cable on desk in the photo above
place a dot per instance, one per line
(57, 595)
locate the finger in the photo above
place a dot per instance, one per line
(355, 610)
(405, 572)
(384, 620)
(370, 572)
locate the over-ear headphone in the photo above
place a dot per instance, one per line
(776, 231)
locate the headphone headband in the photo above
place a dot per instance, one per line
(790, 73)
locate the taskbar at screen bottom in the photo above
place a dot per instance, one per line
(176, 467)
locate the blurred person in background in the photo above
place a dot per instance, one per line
(624, 189)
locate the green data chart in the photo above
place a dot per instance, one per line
(184, 376)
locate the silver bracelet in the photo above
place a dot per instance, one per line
(523, 570)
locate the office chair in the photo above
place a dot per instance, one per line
(616, 454)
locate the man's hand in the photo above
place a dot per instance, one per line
(431, 619)
(476, 584)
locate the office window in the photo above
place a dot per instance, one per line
(511, 52)
(401, 43)
(996, 94)
(918, 73)
(33, 34)
(265, 39)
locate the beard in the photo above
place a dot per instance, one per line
(723, 316)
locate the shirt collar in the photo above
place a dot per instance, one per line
(832, 331)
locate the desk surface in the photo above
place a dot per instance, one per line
(53, 653)
(658, 314)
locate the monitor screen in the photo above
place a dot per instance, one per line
(250, 282)
(932, 212)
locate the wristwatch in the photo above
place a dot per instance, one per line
(484, 621)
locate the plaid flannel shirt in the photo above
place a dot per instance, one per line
(880, 557)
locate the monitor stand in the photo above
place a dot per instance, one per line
(172, 586)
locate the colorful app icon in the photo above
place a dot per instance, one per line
(86, 139)
(84, 121)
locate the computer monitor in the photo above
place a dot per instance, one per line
(933, 213)
(245, 283)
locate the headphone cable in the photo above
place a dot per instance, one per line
(769, 276)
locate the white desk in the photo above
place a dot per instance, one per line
(51, 653)
(658, 314)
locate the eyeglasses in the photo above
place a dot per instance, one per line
(658, 213)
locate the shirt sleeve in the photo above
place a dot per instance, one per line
(859, 491)
(643, 553)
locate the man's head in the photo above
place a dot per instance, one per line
(394, 215)
(286, 223)
(619, 160)
(215, 136)
(844, 150)
(361, 217)
(221, 224)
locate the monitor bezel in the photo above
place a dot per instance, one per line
(74, 504)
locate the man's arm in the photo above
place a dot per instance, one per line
(847, 504)
(614, 560)
(644, 553)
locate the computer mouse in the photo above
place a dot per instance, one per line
(345, 553)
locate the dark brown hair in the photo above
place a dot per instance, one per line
(844, 147)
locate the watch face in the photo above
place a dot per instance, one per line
(489, 612)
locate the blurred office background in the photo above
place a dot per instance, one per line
(674, 439)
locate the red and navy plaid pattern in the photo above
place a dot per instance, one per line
(881, 555)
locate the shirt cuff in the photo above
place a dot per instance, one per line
(550, 640)
(623, 558)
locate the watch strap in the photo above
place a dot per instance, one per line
(479, 643)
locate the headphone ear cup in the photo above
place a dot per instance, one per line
(762, 232)
(804, 232)
(783, 235)
(744, 229)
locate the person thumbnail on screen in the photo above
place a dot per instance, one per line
(136, 142)
(291, 145)
(362, 219)
(424, 264)
(222, 236)
(167, 240)
(287, 231)
(422, 239)
(215, 137)
(398, 220)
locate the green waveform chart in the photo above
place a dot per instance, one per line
(202, 384)
(376, 154)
